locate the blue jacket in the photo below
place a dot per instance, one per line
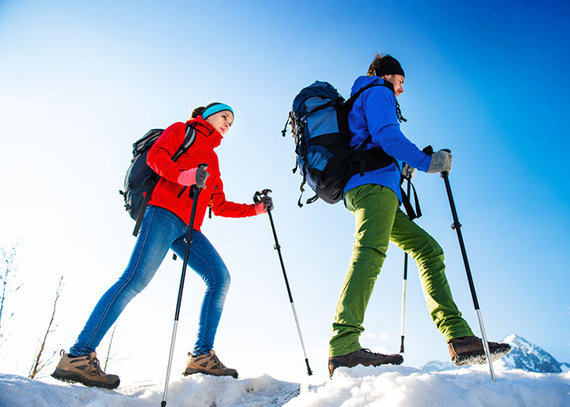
(374, 113)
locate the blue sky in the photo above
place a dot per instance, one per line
(79, 82)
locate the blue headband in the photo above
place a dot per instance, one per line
(215, 109)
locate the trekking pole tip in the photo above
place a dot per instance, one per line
(309, 371)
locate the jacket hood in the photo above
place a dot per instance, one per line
(363, 81)
(207, 130)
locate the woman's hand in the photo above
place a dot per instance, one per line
(195, 176)
(265, 204)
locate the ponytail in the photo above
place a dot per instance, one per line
(198, 111)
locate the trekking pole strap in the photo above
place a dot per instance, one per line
(412, 214)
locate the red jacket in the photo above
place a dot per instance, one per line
(202, 151)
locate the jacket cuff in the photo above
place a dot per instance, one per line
(260, 208)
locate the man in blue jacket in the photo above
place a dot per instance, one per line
(374, 199)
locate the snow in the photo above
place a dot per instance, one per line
(386, 386)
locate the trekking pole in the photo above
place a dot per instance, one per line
(257, 199)
(457, 227)
(181, 289)
(405, 286)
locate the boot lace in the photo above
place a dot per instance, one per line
(218, 362)
(96, 364)
(213, 357)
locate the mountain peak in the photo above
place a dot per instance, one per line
(528, 356)
(524, 355)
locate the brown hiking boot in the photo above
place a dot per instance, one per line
(469, 350)
(84, 370)
(363, 357)
(208, 364)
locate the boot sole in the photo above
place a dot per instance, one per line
(478, 358)
(72, 377)
(397, 360)
(189, 372)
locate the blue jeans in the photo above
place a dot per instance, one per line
(160, 231)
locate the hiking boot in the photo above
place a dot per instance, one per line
(469, 350)
(85, 370)
(363, 357)
(208, 364)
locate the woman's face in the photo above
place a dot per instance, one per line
(222, 121)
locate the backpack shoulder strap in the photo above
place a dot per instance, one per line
(376, 154)
(189, 138)
(350, 102)
(386, 84)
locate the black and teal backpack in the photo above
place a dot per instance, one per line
(140, 179)
(319, 125)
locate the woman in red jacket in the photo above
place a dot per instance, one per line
(164, 227)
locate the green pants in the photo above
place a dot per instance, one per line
(379, 221)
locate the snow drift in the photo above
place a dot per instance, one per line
(387, 386)
(527, 377)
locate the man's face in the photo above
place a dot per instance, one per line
(397, 81)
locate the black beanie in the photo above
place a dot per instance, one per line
(392, 67)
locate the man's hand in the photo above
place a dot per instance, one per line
(408, 172)
(440, 162)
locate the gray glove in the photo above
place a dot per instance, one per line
(195, 176)
(408, 172)
(267, 201)
(201, 176)
(440, 162)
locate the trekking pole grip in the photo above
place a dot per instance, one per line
(193, 187)
(447, 150)
(258, 197)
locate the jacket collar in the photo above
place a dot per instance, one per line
(207, 131)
